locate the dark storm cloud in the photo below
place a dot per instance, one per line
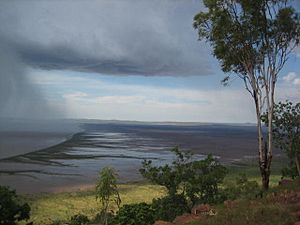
(112, 37)
(19, 98)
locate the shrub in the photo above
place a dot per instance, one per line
(135, 214)
(167, 208)
(202, 180)
(12, 209)
(79, 220)
(198, 180)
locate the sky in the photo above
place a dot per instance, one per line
(124, 60)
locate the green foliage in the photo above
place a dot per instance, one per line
(286, 133)
(135, 214)
(198, 180)
(167, 208)
(169, 176)
(12, 208)
(106, 187)
(79, 220)
(202, 180)
(107, 190)
(243, 188)
(248, 31)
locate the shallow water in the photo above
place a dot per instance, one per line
(77, 161)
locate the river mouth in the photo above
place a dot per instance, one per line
(77, 161)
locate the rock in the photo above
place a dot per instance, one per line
(203, 209)
(161, 222)
(186, 218)
(285, 182)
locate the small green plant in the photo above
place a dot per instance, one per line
(107, 190)
(79, 220)
(167, 208)
(135, 214)
(12, 208)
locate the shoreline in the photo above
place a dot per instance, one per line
(30, 142)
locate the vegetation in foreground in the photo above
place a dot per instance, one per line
(151, 201)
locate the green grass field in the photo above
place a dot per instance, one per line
(47, 208)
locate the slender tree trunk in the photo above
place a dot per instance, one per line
(297, 164)
(265, 165)
(265, 156)
(105, 213)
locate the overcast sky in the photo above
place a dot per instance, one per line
(125, 59)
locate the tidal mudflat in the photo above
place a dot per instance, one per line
(74, 163)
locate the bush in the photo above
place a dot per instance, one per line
(135, 214)
(79, 220)
(167, 208)
(202, 180)
(198, 180)
(12, 209)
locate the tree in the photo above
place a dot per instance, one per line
(253, 40)
(202, 180)
(197, 180)
(286, 130)
(12, 210)
(107, 190)
(169, 176)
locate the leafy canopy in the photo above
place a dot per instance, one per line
(248, 35)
